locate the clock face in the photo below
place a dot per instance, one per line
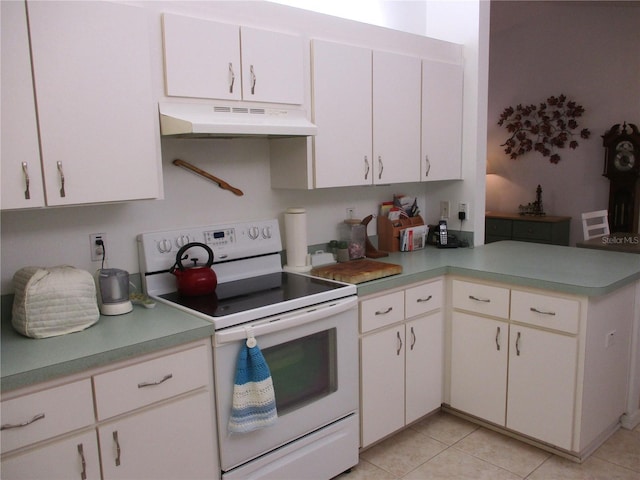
(624, 159)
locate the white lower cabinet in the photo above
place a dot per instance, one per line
(540, 363)
(153, 419)
(401, 354)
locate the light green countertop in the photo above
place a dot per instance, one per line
(25, 361)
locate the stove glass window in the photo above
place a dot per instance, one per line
(303, 370)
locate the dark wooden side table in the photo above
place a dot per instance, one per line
(526, 228)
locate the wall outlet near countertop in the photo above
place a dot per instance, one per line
(610, 339)
(96, 248)
(444, 209)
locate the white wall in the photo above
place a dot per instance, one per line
(54, 236)
(590, 52)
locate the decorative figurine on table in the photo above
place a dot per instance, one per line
(534, 208)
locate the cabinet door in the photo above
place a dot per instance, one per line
(201, 58)
(396, 118)
(272, 66)
(542, 373)
(342, 112)
(382, 377)
(21, 171)
(68, 459)
(146, 445)
(479, 349)
(424, 365)
(442, 85)
(97, 118)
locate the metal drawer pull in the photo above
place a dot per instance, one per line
(413, 338)
(399, 343)
(485, 300)
(232, 77)
(8, 426)
(366, 164)
(518, 345)
(27, 195)
(421, 300)
(83, 474)
(380, 166)
(62, 192)
(151, 384)
(253, 81)
(380, 312)
(498, 338)
(115, 439)
(428, 165)
(533, 309)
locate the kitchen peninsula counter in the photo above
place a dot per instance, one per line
(570, 270)
(27, 361)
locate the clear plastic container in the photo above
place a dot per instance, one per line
(355, 234)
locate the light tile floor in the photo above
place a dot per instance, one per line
(447, 447)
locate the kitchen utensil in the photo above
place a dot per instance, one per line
(113, 291)
(196, 279)
(224, 185)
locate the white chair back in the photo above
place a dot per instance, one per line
(595, 224)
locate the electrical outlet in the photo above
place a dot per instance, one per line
(97, 251)
(610, 339)
(444, 209)
(351, 211)
(464, 207)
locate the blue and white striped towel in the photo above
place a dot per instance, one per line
(254, 400)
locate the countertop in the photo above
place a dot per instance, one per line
(25, 361)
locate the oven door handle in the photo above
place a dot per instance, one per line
(282, 322)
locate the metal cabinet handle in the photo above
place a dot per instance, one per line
(151, 384)
(8, 426)
(421, 300)
(61, 172)
(115, 439)
(253, 80)
(498, 338)
(367, 168)
(380, 166)
(384, 312)
(485, 300)
(413, 338)
(518, 345)
(83, 474)
(232, 77)
(427, 164)
(533, 309)
(27, 195)
(399, 344)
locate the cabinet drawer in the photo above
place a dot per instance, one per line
(45, 414)
(478, 298)
(423, 298)
(532, 231)
(498, 227)
(132, 387)
(544, 311)
(380, 311)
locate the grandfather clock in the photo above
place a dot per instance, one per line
(622, 168)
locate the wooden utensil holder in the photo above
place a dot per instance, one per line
(389, 231)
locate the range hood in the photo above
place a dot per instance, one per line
(195, 120)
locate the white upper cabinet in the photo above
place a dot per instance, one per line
(442, 89)
(396, 118)
(97, 122)
(206, 59)
(342, 111)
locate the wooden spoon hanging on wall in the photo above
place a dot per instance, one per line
(224, 185)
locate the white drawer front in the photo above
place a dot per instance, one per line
(128, 388)
(544, 311)
(423, 298)
(45, 414)
(478, 298)
(381, 311)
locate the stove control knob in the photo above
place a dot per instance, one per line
(266, 232)
(182, 240)
(164, 246)
(254, 232)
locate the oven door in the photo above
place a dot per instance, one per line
(312, 354)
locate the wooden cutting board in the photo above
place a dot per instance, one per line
(357, 271)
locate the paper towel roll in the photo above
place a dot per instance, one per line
(295, 225)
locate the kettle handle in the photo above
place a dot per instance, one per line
(187, 247)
